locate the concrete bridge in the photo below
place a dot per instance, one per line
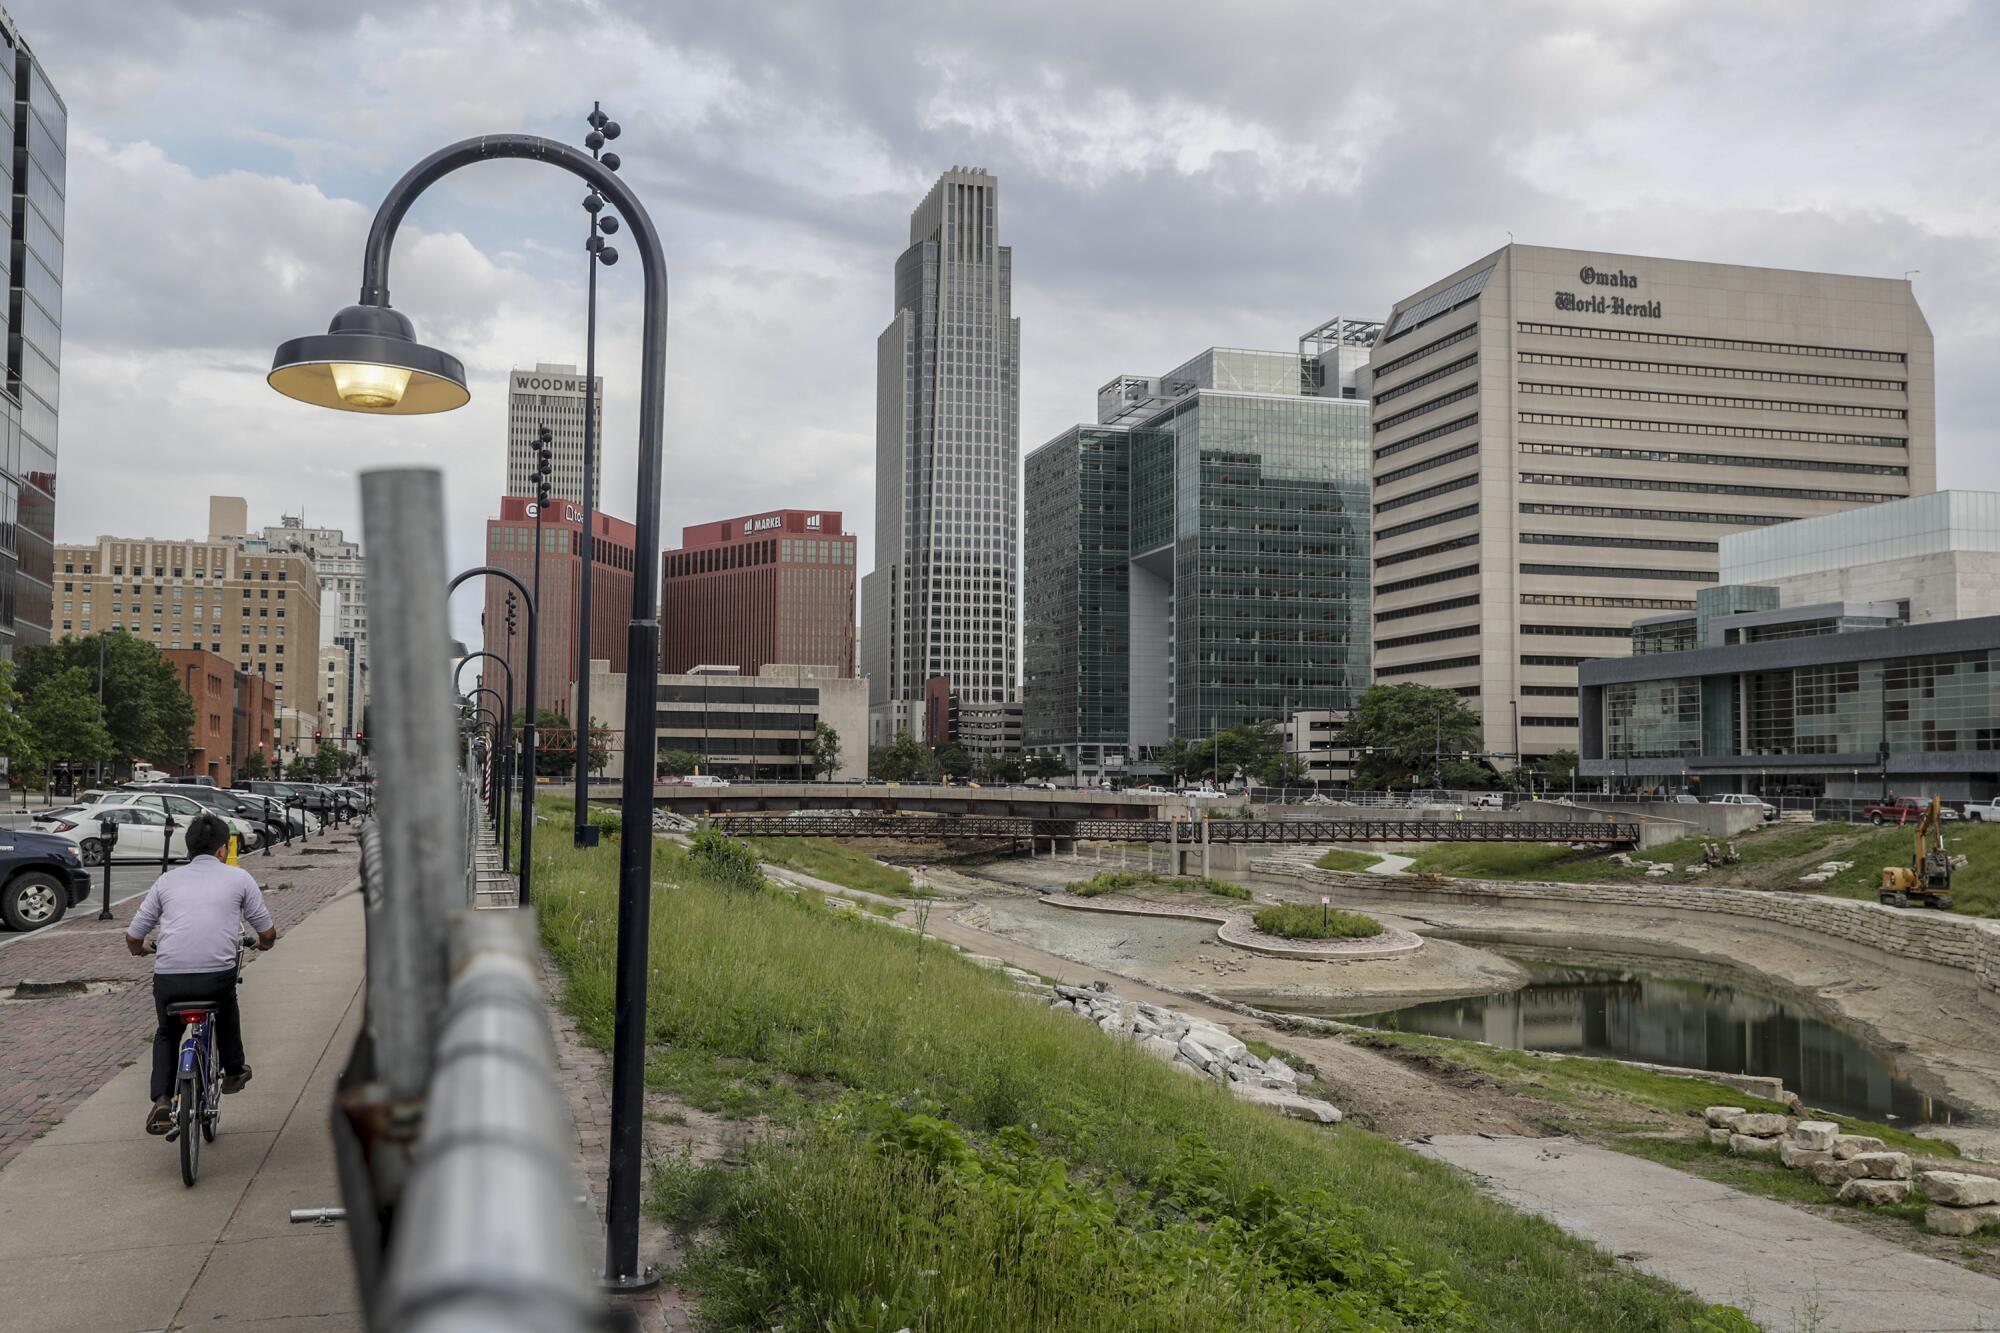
(1214, 832)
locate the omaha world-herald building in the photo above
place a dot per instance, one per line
(1562, 437)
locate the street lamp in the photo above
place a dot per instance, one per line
(504, 738)
(527, 738)
(602, 130)
(376, 345)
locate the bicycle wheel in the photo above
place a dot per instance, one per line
(189, 1112)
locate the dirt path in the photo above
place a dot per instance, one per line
(1786, 1269)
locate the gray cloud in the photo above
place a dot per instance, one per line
(1172, 176)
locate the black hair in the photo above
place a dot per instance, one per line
(206, 833)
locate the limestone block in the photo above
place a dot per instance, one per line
(1720, 1137)
(1165, 1050)
(1075, 992)
(1853, 1145)
(1289, 1103)
(1792, 1155)
(1197, 1054)
(1760, 1124)
(1114, 1025)
(1817, 1135)
(1720, 1116)
(1874, 1191)
(1880, 1166)
(1746, 1145)
(1959, 1189)
(1278, 1069)
(1961, 1221)
(1832, 1173)
(1215, 1039)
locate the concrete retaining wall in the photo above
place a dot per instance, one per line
(1968, 944)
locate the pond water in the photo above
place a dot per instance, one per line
(1637, 1013)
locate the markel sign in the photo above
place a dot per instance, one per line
(1588, 304)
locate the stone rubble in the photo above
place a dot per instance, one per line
(1196, 1047)
(1960, 1202)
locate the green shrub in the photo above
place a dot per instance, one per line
(1132, 881)
(726, 861)
(607, 823)
(1300, 921)
(1339, 858)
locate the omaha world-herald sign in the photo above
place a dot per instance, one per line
(1597, 304)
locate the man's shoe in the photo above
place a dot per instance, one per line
(235, 1082)
(161, 1118)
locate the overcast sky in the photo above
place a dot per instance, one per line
(1173, 176)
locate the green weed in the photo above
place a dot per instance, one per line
(1135, 881)
(1339, 858)
(1302, 921)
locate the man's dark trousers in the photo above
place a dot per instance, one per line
(171, 988)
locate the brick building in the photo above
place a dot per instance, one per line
(510, 544)
(747, 592)
(258, 611)
(234, 715)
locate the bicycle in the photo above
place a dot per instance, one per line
(197, 1101)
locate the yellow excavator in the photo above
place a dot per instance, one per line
(1926, 880)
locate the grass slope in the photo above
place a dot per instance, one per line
(963, 1160)
(1135, 881)
(1339, 858)
(1301, 921)
(837, 864)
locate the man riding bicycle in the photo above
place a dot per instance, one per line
(199, 908)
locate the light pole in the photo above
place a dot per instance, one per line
(369, 361)
(502, 740)
(602, 130)
(528, 725)
(506, 732)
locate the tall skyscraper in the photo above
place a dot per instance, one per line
(552, 395)
(510, 544)
(37, 130)
(1200, 558)
(343, 602)
(1562, 437)
(943, 598)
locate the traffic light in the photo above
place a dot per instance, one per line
(318, 736)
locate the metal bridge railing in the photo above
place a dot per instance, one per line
(995, 828)
(452, 1135)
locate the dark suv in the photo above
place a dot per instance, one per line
(41, 877)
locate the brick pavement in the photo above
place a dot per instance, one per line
(56, 1051)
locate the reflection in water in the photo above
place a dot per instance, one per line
(1630, 1015)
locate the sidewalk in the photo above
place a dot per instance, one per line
(1784, 1267)
(97, 1233)
(58, 1050)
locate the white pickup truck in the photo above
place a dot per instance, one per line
(1983, 811)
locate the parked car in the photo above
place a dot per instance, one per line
(706, 780)
(1489, 800)
(259, 825)
(1745, 798)
(1904, 810)
(1684, 798)
(1983, 812)
(142, 833)
(41, 877)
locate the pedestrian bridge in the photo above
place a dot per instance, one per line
(1223, 832)
(894, 798)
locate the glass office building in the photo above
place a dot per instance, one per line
(1200, 560)
(36, 128)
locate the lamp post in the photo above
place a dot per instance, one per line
(508, 675)
(526, 876)
(369, 361)
(602, 130)
(543, 466)
(504, 740)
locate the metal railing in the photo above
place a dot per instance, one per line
(452, 1135)
(985, 828)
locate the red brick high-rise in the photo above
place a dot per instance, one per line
(776, 587)
(510, 544)
(235, 715)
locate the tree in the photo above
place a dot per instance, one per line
(253, 767)
(326, 762)
(903, 760)
(17, 737)
(1042, 766)
(300, 769)
(679, 763)
(825, 750)
(1001, 768)
(1555, 771)
(1401, 730)
(1282, 769)
(953, 761)
(600, 748)
(148, 712)
(63, 721)
(1251, 748)
(556, 760)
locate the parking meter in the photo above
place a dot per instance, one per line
(107, 835)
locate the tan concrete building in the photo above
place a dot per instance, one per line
(1562, 437)
(259, 611)
(335, 668)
